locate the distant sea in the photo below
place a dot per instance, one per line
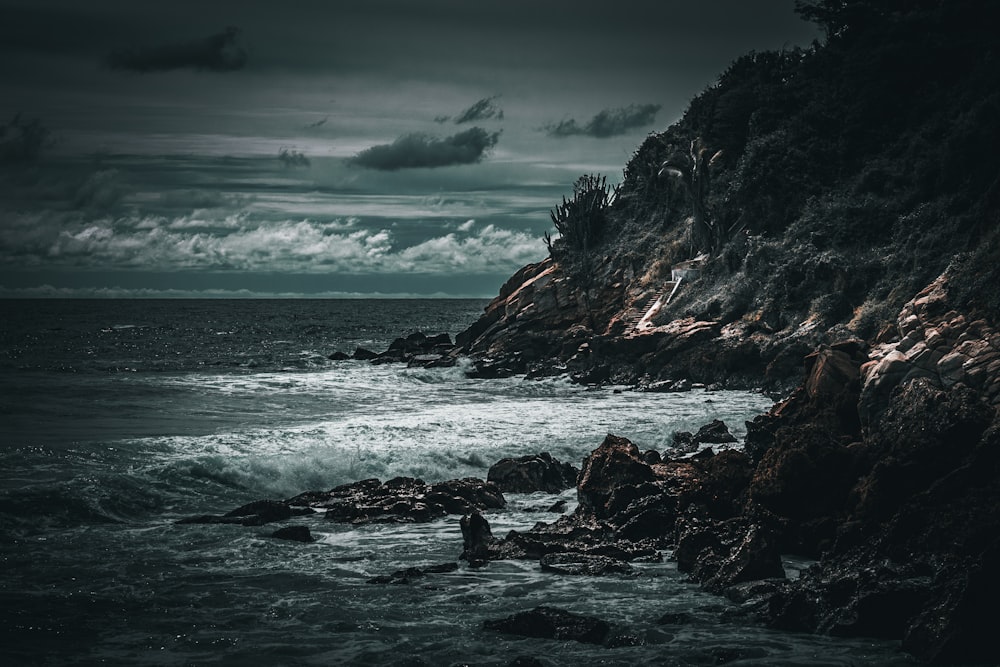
(119, 417)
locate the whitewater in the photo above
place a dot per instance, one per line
(121, 417)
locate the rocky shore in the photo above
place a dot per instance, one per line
(882, 466)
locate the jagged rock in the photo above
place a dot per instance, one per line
(552, 623)
(721, 554)
(477, 539)
(714, 433)
(586, 564)
(539, 472)
(295, 533)
(403, 500)
(612, 466)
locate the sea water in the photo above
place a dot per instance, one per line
(117, 418)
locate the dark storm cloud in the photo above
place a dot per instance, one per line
(22, 141)
(422, 150)
(220, 52)
(608, 123)
(484, 109)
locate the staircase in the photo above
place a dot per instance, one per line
(637, 322)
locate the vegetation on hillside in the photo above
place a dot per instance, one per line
(846, 175)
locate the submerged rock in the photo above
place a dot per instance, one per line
(411, 573)
(552, 623)
(294, 533)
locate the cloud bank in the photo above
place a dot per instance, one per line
(238, 243)
(417, 150)
(220, 52)
(607, 123)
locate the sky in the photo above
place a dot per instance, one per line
(325, 148)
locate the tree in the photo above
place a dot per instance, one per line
(694, 171)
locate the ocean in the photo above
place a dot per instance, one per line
(120, 417)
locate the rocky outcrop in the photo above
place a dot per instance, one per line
(399, 500)
(937, 343)
(538, 472)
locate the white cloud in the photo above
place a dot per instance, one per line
(237, 243)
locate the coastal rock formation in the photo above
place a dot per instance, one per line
(552, 623)
(398, 500)
(401, 500)
(539, 472)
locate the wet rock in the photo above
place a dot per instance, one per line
(362, 354)
(402, 500)
(552, 623)
(410, 574)
(584, 564)
(295, 533)
(721, 554)
(713, 433)
(477, 539)
(558, 507)
(612, 466)
(339, 356)
(526, 474)
(256, 513)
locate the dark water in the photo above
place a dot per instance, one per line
(119, 417)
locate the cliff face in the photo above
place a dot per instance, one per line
(828, 186)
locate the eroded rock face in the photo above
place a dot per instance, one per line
(538, 472)
(938, 343)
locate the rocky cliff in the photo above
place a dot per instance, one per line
(846, 201)
(825, 188)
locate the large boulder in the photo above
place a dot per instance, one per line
(537, 472)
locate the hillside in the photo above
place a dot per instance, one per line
(841, 205)
(830, 185)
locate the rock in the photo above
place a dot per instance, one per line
(256, 513)
(527, 474)
(477, 539)
(409, 574)
(402, 500)
(713, 433)
(339, 356)
(295, 533)
(614, 464)
(558, 507)
(362, 354)
(586, 564)
(552, 623)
